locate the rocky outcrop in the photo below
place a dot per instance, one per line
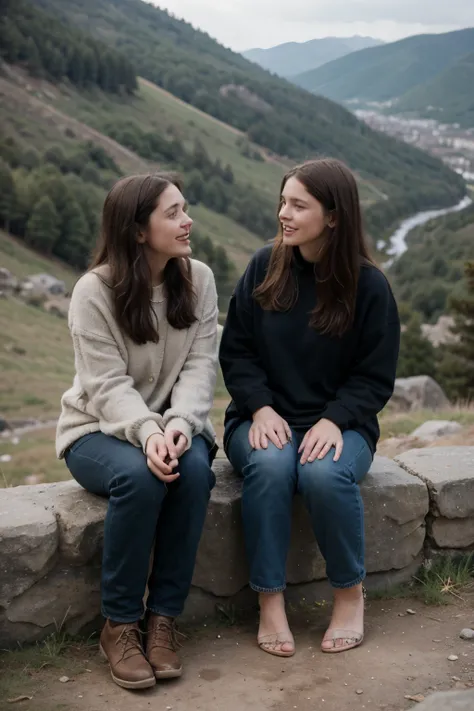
(51, 542)
(434, 429)
(448, 473)
(418, 392)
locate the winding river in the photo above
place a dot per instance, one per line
(398, 243)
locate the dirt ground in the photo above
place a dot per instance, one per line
(403, 655)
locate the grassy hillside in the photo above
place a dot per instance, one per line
(448, 98)
(292, 58)
(271, 112)
(388, 71)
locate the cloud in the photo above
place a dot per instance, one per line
(242, 24)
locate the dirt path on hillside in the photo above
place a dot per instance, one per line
(403, 655)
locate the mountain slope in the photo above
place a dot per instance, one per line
(293, 58)
(432, 267)
(448, 98)
(389, 71)
(269, 110)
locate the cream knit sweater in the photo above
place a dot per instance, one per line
(131, 391)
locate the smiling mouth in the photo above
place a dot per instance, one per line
(183, 238)
(288, 230)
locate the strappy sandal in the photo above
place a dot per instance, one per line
(272, 643)
(353, 639)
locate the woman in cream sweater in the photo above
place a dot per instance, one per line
(134, 426)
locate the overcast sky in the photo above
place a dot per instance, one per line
(242, 24)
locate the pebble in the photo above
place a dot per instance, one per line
(455, 678)
(64, 679)
(453, 658)
(411, 612)
(359, 691)
(467, 633)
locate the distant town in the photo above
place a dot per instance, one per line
(453, 144)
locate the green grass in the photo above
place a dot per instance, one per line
(22, 261)
(399, 424)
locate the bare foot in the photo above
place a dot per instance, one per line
(274, 624)
(348, 615)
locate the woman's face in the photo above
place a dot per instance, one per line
(169, 227)
(302, 217)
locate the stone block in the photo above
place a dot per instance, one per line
(28, 540)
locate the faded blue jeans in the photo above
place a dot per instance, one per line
(144, 511)
(330, 491)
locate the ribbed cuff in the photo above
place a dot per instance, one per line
(182, 425)
(150, 427)
(336, 413)
(263, 398)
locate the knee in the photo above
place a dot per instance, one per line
(196, 475)
(323, 478)
(139, 484)
(272, 468)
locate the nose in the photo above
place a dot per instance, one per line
(187, 221)
(283, 214)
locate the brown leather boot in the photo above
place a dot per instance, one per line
(121, 645)
(162, 646)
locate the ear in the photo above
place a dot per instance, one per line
(141, 237)
(332, 219)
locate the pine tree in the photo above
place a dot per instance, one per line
(42, 229)
(74, 243)
(456, 369)
(417, 354)
(7, 194)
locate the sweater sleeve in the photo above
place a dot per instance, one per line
(243, 371)
(372, 376)
(102, 372)
(193, 393)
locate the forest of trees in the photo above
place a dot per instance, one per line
(54, 200)
(34, 39)
(428, 272)
(271, 111)
(207, 181)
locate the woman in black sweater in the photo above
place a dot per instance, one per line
(309, 354)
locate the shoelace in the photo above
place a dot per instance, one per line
(131, 643)
(165, 635)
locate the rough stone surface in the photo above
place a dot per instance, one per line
(433, 429)
(448, 701)
(453, 532)
(28, 540)
(418, 392)
(51, 542)
(449, 474)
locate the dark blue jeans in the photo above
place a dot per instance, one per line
(331, 494)
(143, 511)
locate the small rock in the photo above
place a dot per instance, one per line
(467, 633)
(455, 678)
(411, 612)
(453, 658)
(15, 440)
(5, 458)
(360, 691)
(416, 697)
(64, 679)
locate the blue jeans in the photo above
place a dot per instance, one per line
(144, 511)
(330, 491)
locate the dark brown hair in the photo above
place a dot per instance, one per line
(337, 272)
(125, 214)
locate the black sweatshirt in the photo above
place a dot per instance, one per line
(277, 359)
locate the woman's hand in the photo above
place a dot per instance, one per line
(268, 425)
(318, 441)
(176, 442)
(158, 458)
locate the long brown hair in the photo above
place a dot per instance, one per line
(337, 272)
(125, 214)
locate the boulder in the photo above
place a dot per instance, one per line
(434, 429)
(448, 701)
(418, 392)
(449, 475)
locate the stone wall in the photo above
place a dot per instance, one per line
(51, 542)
